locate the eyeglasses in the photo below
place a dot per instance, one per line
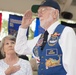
(42, 9)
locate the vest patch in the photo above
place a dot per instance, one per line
(54, 38)
(51, 52)
(40, 41)
(52, 62)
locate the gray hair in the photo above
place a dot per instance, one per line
(58, 13)
(10, 37)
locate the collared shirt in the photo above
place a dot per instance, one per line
(24, 70)
(67, 43)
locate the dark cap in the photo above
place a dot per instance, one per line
(50, 3)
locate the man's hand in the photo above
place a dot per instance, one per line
(27, 19)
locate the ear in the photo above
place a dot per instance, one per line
(55, 14)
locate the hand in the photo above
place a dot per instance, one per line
(12, 69)
(27, 19)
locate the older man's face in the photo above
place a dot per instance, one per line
(45, 15)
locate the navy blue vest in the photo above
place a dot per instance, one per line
(51, 56)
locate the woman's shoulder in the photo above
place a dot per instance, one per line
(1, 62)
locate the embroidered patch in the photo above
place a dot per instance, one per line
(40, 41)
(35, 51)
(52, 62)
(51, 52)
(54, 38)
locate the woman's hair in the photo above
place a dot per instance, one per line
(10, 37)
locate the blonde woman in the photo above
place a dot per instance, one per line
(12, 64)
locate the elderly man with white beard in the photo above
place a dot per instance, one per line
(55, 53)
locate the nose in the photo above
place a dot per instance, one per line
(39, 14)
(10, 44)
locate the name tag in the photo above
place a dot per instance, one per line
(51, 52)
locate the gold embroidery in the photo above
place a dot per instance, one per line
(52, 62)
(51, 52)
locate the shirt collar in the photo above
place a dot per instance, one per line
(52, 27)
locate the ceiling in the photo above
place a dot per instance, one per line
(20, 6)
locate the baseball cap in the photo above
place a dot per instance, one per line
(50, 3)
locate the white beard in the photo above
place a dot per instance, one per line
(44, 22)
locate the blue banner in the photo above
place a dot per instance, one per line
(38, 28)
(13, 24)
